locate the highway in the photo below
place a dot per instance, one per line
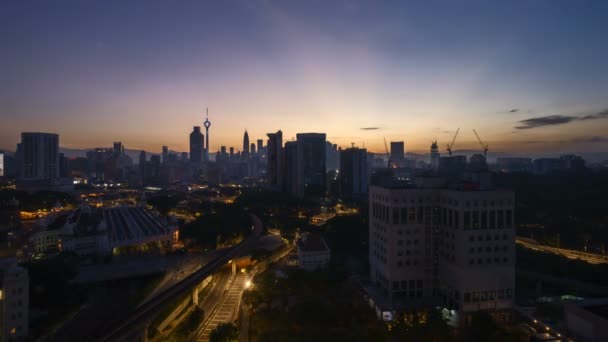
(137, 321)
(568, 253)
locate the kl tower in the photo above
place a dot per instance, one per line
(207, 124)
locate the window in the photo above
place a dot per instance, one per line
(467, 297)
(501, 219)
(467, 220)
(493, 219)
(420, 214)
(484, 220)
(509, 217)
(395, 215)
(403, 215)
(476, 220)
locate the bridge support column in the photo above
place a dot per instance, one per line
(233, 268)
(195, 296)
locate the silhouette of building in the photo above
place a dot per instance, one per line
(40, 155)
(207, 124)
(260, 146)
(435, 156)
(290, 167)
(196, 145)
(311, 164)
(252, 148)
(245, 143)
(397, 152)
(353, 172)
(506, 164)
(118, 149)
(275, 159)
(165, 154)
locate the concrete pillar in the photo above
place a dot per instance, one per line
(233, 268)
(195, 296)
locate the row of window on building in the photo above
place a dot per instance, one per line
(485, 296)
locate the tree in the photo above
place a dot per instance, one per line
(224, 332)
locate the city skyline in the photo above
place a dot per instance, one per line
(360, 73)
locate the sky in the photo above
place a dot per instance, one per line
(527, 75)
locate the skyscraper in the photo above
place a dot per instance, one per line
(1, 164)
(142, 167)
(196, 145)
(311, 164)
(246, 143)
(40, 155)
(165, 154)
(435, 156)
(252, 148)
(290, 165)
(353, 172)
(118, 149)
(397, 152)
(260, 146)
(275, 159)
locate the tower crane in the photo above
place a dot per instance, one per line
(452, 144)
(483, 146)
(388, 155)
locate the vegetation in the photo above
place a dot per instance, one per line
(484, 328)
(224, 332)
(39, 200)
(348, 239)
(303, 306)
(565, 209)
(188, 326)
(227, 224)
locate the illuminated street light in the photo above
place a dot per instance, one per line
(247, 284)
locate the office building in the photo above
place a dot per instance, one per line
(260, 146)
(514, 164)
(274, 151)
(246, 143)
(252, 148)
(587, 320)
(118, 149)
(14, 301)
(165, 154)
(397, 152)
(435, 156)
(40, 155)
(290, 167)
(433, 245)
(1, 164)
(196, 145)
(353, 172)
(311, 164)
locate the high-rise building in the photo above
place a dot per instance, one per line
(196, 145)
(142, 166)
(40, 155)
(290, 167)
(165, 154)
(353, 172)
(1, 164)
(435, 156)
(311, 163)
(332, 156)
(14, 301)
(207, 124)
(231, 152)
(275, 159)
(246, 143)
(252, 148)
(118, 149)
(397, 152)
(433, 245)
(260, 146)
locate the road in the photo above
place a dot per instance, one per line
(225, 310)
(139, 318)
(568, 253)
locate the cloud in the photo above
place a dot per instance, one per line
(550, 120)
(514, 111)
(369, 128)
(593, 139)
(553, 120)
(601, 115)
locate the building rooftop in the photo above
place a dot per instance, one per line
(312, 243)
(126, 224)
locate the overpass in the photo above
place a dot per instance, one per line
(131, 327)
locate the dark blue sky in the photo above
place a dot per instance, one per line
(143, 71)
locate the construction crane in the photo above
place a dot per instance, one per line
(452, 144)
(484, 146)
(388, 155)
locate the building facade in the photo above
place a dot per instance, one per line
(274, 170)
(40, 155)
(353, 172)
(196, 145)
(14, 301)
(436, 246)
